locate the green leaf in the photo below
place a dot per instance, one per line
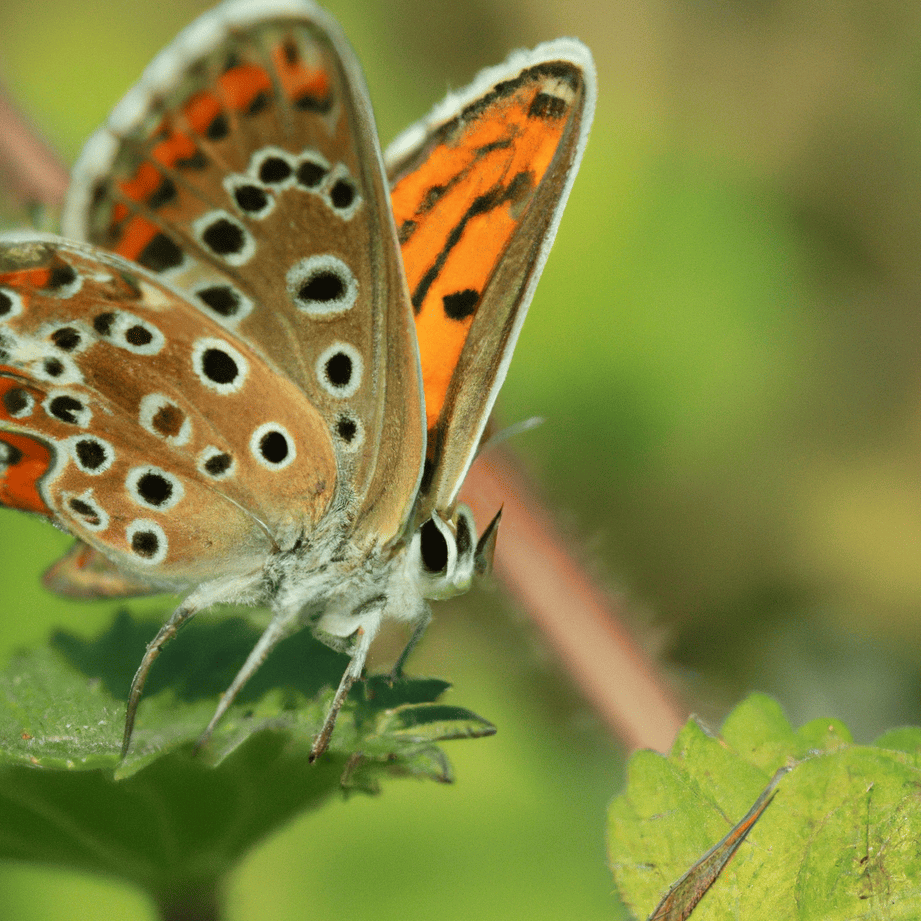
(837, 841)
(166, 818)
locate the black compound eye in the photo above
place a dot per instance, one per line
(433, 548)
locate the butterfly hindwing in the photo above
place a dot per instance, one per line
(477, 191)
(244, 170)
(141, 426)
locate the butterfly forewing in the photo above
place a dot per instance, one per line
(244, 170)
(143, 427)
(477, 191)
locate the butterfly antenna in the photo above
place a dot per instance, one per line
(510, 431)
(486, 547)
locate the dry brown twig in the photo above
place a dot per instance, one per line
(580, 622)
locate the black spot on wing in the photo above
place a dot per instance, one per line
(160, 254)
(547, 106)
(461, 304)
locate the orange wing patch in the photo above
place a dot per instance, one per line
(23, 462)
(457, 211)
(181, 147)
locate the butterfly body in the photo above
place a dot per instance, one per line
(249, 383)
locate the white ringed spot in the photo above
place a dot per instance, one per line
(154, 488)
(272, 446)
(93, 455)
(349, 432)
(223, 301)
(342, 193)
(219, 366)
(216, 464)
(223, 235)
(86, 510)
(147, 541)
(273, 167)
(339, 370)
(65, 407)
(322, 286)
(164, 418)
(252, 199)
(10, 304)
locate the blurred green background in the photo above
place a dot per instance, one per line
(725, 346)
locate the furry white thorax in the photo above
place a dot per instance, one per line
(337, 587)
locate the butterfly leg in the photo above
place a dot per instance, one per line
(363, 637)
(181, 615)
(279, 629)
(422, 623)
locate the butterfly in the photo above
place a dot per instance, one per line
(258, 363)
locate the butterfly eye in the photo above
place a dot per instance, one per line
(433, 548)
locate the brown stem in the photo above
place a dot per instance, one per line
(580, 622)
(31, 172)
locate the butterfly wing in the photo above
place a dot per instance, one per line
(143, 427)
(477, 191)
(244, 170)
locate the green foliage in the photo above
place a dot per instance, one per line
(169, 819)
(838, 840)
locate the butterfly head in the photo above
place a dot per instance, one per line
(447, 555)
